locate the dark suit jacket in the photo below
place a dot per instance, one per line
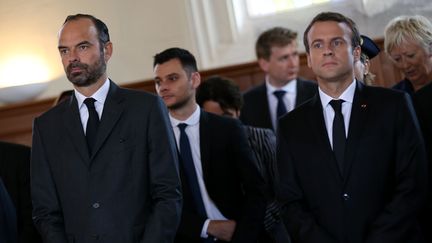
(255, 111)
(127, 190)
(8, 221)
(15, 172)
(423, 104)
(231, 178)
(383, 186)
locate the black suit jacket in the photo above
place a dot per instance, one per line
(231, 178)
(127, 190)
(383, 186)
(423, 104)
(255, 111)
(15, 172)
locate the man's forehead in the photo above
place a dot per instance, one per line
(77, 27)
(330, 29)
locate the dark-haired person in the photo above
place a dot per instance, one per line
(222, 96)
(8, 220)
(15, 172)
(369, 50)
(351, 160)
(282, 91)
(104, 164)
(223, 192)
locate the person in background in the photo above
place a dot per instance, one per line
(104, 166)
(15, 172)
(351, 160)
(222, 96)
(282, 90)
(362, 68)
(224, 194)
(8, 220)
(408, 42)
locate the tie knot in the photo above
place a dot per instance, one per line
(182, 126)
(337, 105)
(89, 102)
(279, 94)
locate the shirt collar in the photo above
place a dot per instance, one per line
(100, 95)
(347, 95)
(290, 87)
(190, 121)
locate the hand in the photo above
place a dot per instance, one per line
(272, 215)
(221, 229)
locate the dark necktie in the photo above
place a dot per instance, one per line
(339, 138)
(92, 123)
(281, 109)
(189, 170)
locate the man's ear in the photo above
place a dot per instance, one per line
(308, 60)
(357, 53)
(107, 49)
(196, 79)
(264, 64)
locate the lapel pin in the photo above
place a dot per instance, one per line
(363, 106)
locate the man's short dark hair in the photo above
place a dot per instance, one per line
(221, 90)
(337, 17)
(184, 56)
(277, 36)
(102, 29)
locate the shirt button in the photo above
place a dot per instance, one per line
(96, 205)
(346, 197)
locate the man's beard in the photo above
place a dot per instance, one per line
(89, 74)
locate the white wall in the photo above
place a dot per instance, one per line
(138, 28)
(141, 28)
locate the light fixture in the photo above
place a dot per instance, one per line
(23, 77)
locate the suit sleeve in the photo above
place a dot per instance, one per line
(399, 215)
(251, 221)
(300, 223)
(47, 213)
(164, 179)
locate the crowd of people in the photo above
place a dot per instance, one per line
(331, 160)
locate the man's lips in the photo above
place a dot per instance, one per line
(327, 64)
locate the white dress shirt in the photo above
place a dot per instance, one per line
(100, 97)
(192, 131)
(289, 98)
(347, 96)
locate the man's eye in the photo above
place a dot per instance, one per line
(317, 45)
(63, 51)
(337, 43)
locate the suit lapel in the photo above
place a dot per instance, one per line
(300, 94)
(112, 111)
(357, 122)
(72, 123)
(316, 118)
(205, 143)
(263, 102)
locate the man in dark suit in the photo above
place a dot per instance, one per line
(8, 221)
(15, 172)
(283, 90)
(351, 160)
(222, 189)
(110, 179)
